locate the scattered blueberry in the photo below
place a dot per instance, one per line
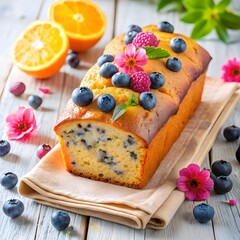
(106, 102)
(43, 150)
(223, 184)
(174, 64)
(221, 168)
(5, 147)
(13, 208)
(130, 36)
(135, 28)
(157, 80)
(108, 70)
(73, 60)
(82, 96)
(148, 100)
(165, 27)
(34, 101)
(60, 220)
(203, 212)
(178, 45)
(17, 88)
(231, 133)
(105, 58)
(238, 154)
(9, 180)
(120, 79)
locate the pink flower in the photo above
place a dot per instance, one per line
(231, 71)
(195, 183)
(232, 202)
(131, 61)
(21, 124)
(45, 90)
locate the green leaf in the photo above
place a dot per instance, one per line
(210, 3)
(195, 4)
(133, 101)
(222, 33)
(202, 28)
(192, 16)
(156, 53)
(119, 111)
(171, 4)
(221, 6)
(162, 4)
(230, 20)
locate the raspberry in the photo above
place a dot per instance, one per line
(140, 82)
(143, 39)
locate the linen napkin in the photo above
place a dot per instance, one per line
(155, 205)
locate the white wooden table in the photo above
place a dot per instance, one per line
(15, 15)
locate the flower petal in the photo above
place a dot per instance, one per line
(134, 69)
(181, 184)
(141, 57)
(194, 169)
(130, 51)
(190, 195)
(202, 195)
(45, 90)
(120, 59)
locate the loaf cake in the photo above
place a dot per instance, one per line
(128, 150)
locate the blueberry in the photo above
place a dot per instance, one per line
(120, 79)
(174, 64)
(231, 133)
(223, 184)
(60, 220)
(165, 27)
(178, 45)
(221, 168)
(130, 36)
(108, 70)
(82, 96)
(157, 80)
(34, 101)
(105, 58)
(135, 28)
(5, 147)
(148, 100)
(238, 154)
(9, 180)
(17, 88)
(106, 102)
(73, 60)
(203, 212)
(13, 208)
(43, 150)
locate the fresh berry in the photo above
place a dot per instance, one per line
(148, 100)
(223, 184)
(105, 58)
(82, 96)
(231, 133)
(5, 147)
(73, 60)
(203, 212)
(165, 27)
(135, 28)
(221, 168)
(143, 39)
(107, 70)
(17, 88)
(178, 45)
(34, 101)
(120, 79)
(212, 176)
(140, 82)
(174, 64)
(157, 80)
(106, 102)
(129, 37)
(9, 180)
(13, 208)
(238, 154)
(60, 220)
(43, 150)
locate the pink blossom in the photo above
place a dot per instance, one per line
(231, 70)
(232, 202)
(131, 61)
(21, 124)
(45, 90)
(195, 183)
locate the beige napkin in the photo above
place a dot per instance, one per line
(50, 184)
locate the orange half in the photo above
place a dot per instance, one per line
(83, 20)
(41, 49)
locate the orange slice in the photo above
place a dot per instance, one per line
(83, 20)
(41, 49)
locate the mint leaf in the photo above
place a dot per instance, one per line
(222, 33)
(192, 4)
(133, 101)
(119, 111)
(230, 20)
(156, 53)
(221, 6)
(202, 28)
(170, 5)
(191, 16)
